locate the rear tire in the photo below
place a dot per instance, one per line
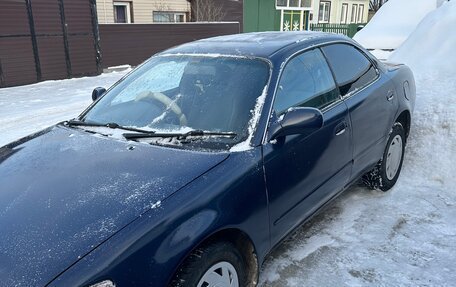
(216, 263)
(384, 176)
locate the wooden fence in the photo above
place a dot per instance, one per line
(345, 29)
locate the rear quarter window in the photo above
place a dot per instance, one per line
(352, 69)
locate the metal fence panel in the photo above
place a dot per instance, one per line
(36, 40)
(48, 29)
(132, 44)
(56, 39)
(345, 29)
(16, 61)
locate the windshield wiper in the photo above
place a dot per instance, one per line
(180, 136)
(108, 125)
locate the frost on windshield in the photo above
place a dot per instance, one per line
(208, 94)
(162, 77)
(256, 113)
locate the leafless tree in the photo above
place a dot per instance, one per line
(374, 5)
(207, 10)
(161, 6)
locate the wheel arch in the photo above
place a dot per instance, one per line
(404, 119)
(242, 242)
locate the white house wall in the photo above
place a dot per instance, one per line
(105, 11)
(142, 9)
(336, 10)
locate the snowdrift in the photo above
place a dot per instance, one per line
(431, 46)
(393, 23)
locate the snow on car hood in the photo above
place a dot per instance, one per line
(65, 191)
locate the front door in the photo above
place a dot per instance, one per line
(304, 171)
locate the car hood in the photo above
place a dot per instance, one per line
(65, 191)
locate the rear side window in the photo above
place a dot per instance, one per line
(306, 82)
(351, 68)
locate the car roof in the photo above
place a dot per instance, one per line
(259, 44)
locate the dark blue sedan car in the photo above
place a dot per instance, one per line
(189, 170)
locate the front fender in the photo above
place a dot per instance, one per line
(149, 250)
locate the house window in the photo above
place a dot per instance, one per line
(344, 14)
(168, 17)
(324, 12)
(122, 12)
(361, 13)
(306, 3)
(281, 3)
(354, 13)
(293, 4)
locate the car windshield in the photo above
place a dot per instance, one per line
(179, 93)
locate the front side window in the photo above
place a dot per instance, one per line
(175, 93)
(351, 68)
(324, 11)
(306, 82)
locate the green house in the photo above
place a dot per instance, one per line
(276, 15)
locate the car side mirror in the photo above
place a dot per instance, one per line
(97, 93)
(297, 121)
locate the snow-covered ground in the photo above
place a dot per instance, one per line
(404, 237)
(27, 109)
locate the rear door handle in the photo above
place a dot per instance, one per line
(341, 128)
(390, 96)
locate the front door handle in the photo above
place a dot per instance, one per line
(341, 128)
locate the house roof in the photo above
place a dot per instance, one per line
(261, 44)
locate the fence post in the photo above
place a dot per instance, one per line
(96, 35)
(65, 39)
(34, 41)
(2, 79)
(351, 30)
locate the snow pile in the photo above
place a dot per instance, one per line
(432, 45)
(393, 23)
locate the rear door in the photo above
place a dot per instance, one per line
(303, 171)
(370, 98)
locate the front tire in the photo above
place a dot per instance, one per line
(216, 264)
(384, 176)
